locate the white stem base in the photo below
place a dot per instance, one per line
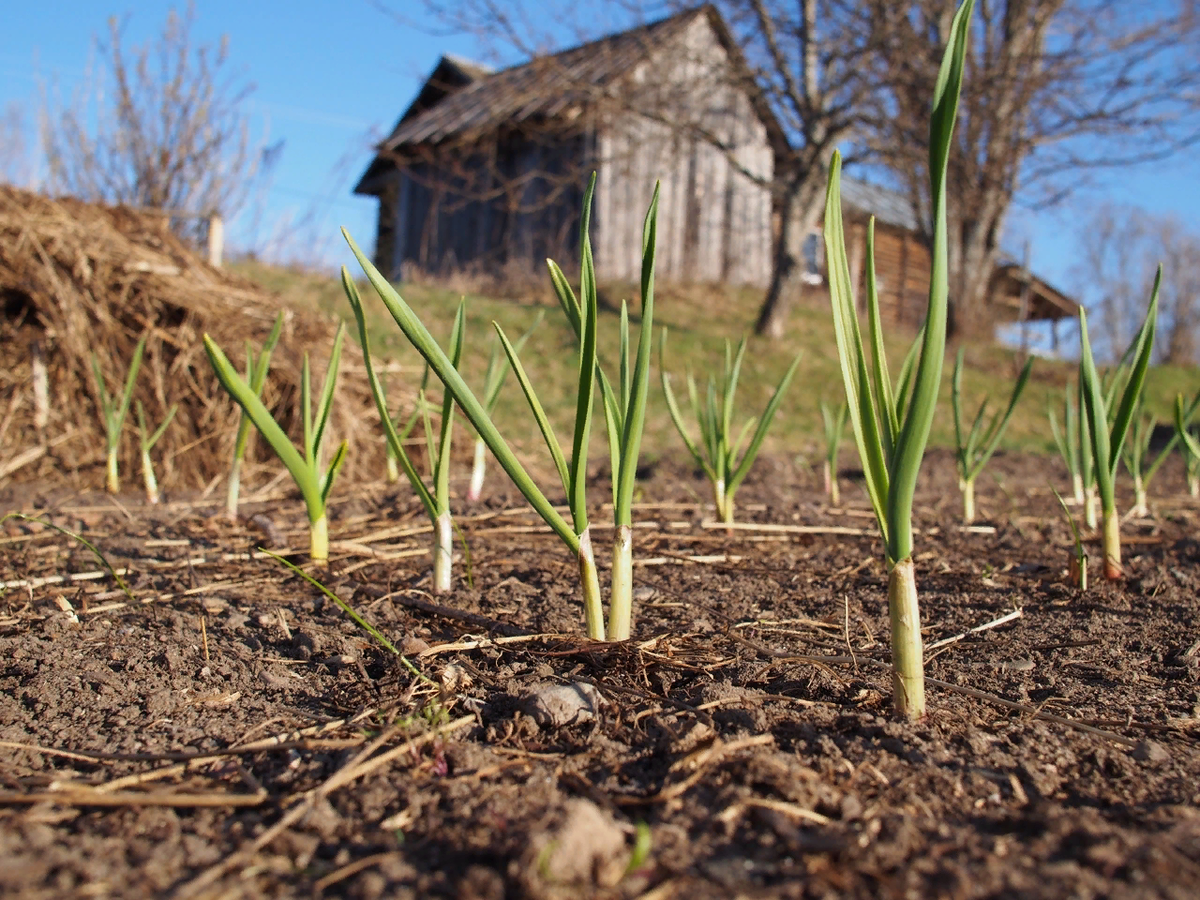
(620, 602)
(443, 553)
(593, 607)
(478, 470)
(149, 479)
(908, 663)
(112, 482)
(1140, 509)
(233, 491)
(318, 546)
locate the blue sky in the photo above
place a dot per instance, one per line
(331, 78)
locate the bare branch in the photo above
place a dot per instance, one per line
(163, 128)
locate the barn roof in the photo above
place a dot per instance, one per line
(547, 87)
(887, 206)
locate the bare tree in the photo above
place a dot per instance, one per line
(810, 61)
(15, 165)
(1122, 248)
(166, 129)
(1055, 90)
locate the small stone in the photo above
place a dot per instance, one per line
(1151, 752)
(587, 848)
(851, 808)
(413, 646)
(556, 705)
(455, 678)
(304, 645)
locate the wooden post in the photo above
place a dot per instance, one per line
(216, 240)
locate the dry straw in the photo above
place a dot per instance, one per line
(78, 278)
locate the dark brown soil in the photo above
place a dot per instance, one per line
(224, 735)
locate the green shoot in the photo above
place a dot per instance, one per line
(891, 427)
(1136, 449)
(493, 382)
(1109, 425)
(1087, 462)
(114, 410)
(256, 377)
(391, 460)
(1066, 439)
(834, 424)
(1181, 426)
(437, 500)
(719, 448)
(1191, 450)
(974, 448)
(624, 415)
(305, 469)
(147, 444)
(1077, 570)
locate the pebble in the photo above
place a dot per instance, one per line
(1151, 752)
(556, 705)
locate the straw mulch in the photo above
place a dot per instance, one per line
(78, 278)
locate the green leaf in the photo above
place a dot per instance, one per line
(635, 412)
(233, 383)
(327, 389)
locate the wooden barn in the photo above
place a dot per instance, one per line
(485, 170)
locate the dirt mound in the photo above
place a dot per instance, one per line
(79, 278)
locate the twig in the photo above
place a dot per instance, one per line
(795, 529)
(33, 454)
(80, 797)
(734, 810)
(476, 644)
(352, 869)
(1008, 617)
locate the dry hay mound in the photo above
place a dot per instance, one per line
(78, 278)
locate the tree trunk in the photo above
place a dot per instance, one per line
(800, 210)
(973, 258)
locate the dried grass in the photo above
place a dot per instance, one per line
(78, 278)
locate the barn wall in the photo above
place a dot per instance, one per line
(902, 271)
(714, 222)
(507, 204)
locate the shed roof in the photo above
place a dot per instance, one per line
(1044, 301)
(547, 87)
(887, 206)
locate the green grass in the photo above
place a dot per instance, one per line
(700, 318)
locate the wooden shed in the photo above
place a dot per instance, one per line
(485, 170)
